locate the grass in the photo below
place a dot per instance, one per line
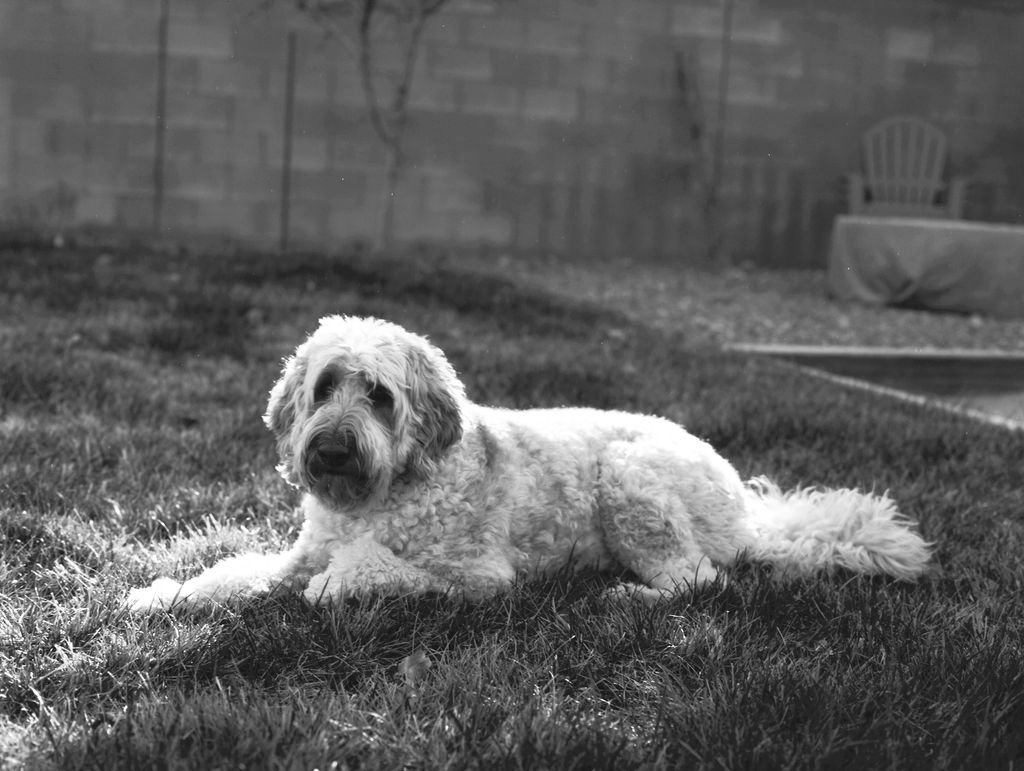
(131, 446)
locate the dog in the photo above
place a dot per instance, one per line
(410, 487)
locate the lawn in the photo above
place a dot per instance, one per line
(131, 446)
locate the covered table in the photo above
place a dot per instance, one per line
(943, 265)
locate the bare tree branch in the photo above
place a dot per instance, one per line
(387, 99)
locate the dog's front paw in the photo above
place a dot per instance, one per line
(630, 592)
(162, 594)
(323, 590)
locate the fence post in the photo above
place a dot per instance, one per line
(286, 161)
(161, 117)
(723, 93)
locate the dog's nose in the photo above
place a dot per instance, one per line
(335, 457)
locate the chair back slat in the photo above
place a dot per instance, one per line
(904, 159)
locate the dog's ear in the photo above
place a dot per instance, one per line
(283, 411)
(286, 396)
(436, 396)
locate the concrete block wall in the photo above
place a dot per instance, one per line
(547, 125)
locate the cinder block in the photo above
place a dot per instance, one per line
(6, 98)
(442, 138)
(352, 224)
(180, 214)
(347, 187)
(107, 7)
(554, 37)
(453, 193)
(912, 44)
(235, 148)
(495, 32)
(963, 54)
(749, 87)
(126, 33)
(262, 220)
(181, 143)
(431, 94)
(198, 110)
(513, 68)
(93, 208)
(350, 124)
(189, 38)
(591, 74)
(139, 139)
(691, 19)
(229, 217)
(6, 133)
(29, 138)
(95, 176)
(653, 16)
(124, 106)
(522, 134)
(425, 226)
(475, 7)
(362, 151)
(310, 119)
(460, 63)
(554, 104)
(493, 229)
(103, 175)
(253, 183)
(41, 27)
(137, 176)
(895, 74)
(197, 181)
(307, 220)
(702, 21)
(134, 211)
(231, 77)
(117, 70)
(251, 114)
(444, 28)
(609, 43)
(348, 89)
(642, 79)
(309, 153)
(66, 138)
(261, 40)
(787, 62)
(588, 12)
(312, 83)
(55, 100)
(40, 174)
(489, 99)
(749, 28)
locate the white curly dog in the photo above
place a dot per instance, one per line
(410, 487)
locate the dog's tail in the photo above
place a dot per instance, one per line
(811, 529)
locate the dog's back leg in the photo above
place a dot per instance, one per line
(670, 515)
(667, 579)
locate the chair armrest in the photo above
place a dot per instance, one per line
(957, 195)
(855, 193)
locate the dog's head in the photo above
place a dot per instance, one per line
(362, 403)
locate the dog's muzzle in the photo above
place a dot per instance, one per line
(334, 456)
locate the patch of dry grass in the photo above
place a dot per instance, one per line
(760, 306)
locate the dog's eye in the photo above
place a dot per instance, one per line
(323, 387)
(380, 396)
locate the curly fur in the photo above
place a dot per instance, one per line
(410, 487)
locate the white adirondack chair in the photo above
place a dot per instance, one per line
(904, 159)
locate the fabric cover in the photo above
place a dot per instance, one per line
(943, 265)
